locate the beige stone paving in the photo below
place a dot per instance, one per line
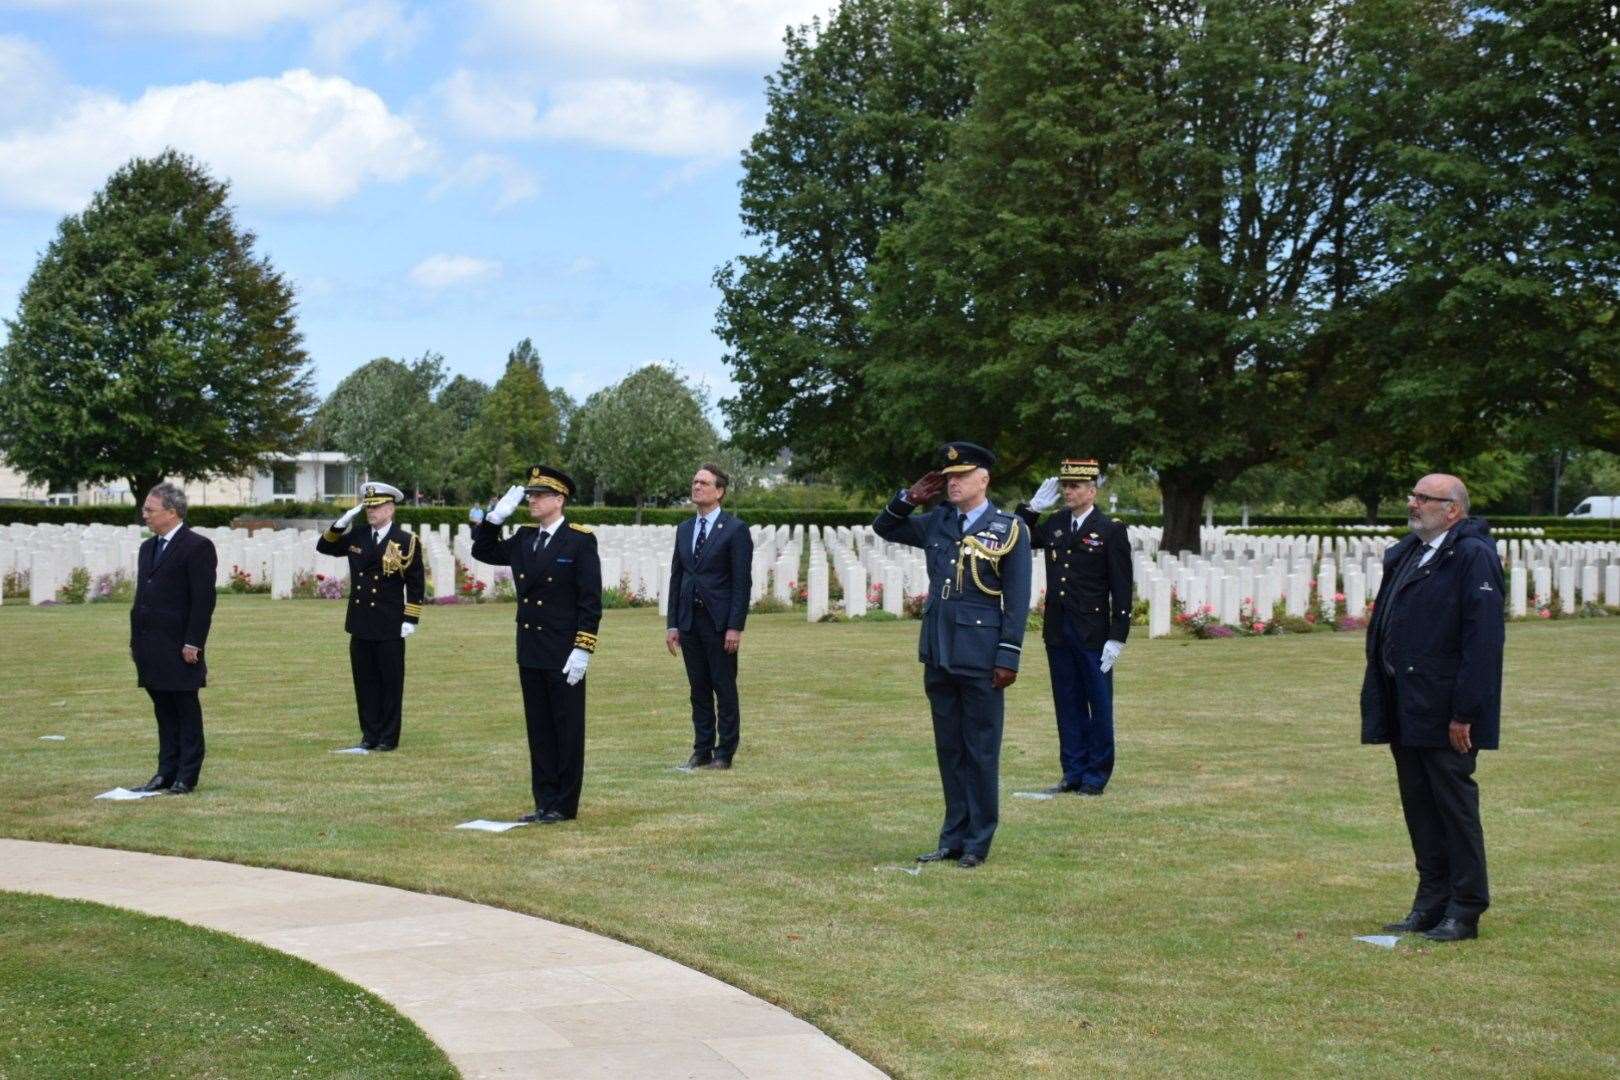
(505, 995)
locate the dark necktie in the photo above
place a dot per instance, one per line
(162, 546)
(961, 525)
(540, 538)
(703, 535)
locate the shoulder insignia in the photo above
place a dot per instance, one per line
(577, 527)
(526, 525)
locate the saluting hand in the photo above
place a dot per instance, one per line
(927, 488)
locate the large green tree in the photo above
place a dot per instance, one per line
(644, 436)
(460, 403)
(1154, 235)
(857, 111)
(383, 415)
(151, 341)
(517, 426)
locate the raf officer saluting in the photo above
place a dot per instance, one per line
(1087, 617)
(972, 634)
(385, 604)
(558, 579)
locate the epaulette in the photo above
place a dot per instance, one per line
(580, 528)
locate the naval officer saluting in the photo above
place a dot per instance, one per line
(386, 585)
(972, 634)
(557, 575)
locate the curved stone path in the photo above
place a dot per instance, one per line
(505, 995)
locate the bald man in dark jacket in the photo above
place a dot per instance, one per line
(1433, 692)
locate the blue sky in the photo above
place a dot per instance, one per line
(452, 176)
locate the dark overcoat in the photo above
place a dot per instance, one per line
(173, 607)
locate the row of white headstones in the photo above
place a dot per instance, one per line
(1236, 578)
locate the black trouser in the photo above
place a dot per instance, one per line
(1441, 804)
(180, 734)
(555, 714)
(379, 688)
(967, 742)
(712, 673)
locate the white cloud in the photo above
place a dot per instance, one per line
(662, 116)
(383, 22)
(30, 84)
(203, 18)
(296, 140)
(698, 33)
(513, 183)
(442, 271)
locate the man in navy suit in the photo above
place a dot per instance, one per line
(711, 577)
(168, 630)
(1433, 692)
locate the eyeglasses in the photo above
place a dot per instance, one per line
(1422, 498)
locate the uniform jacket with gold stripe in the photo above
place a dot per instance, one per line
(386, 581)
(559, 590)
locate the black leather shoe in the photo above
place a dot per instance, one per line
(697, 761)
(180, 787)
(970, 860)
(1416, 922)
(1085, 790)
(157, 783)
(719, 763)
(1450, 929)
(382, 749)
(530, 819)
(1061, 789)
(940, 854)
(550, 817)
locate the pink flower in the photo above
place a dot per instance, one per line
(1545, 613)
(1338, 597)
(1259, 627)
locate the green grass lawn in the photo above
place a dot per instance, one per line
(1197, 920)
(87, 990)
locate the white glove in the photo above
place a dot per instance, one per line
(475, 514)
(578, 661)
(509, 502)
(1111, 651)
(1046, 496)
(348, 516)
(406, 629)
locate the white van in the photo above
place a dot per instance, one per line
(1598, 507)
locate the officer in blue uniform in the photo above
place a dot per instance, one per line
(972, 634)
(386, 584)
(557, 575)
(1086, 619)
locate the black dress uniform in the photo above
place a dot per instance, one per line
(173, 608)
(973, 622)
(386, 584)
(1089, 578)
(557, 576)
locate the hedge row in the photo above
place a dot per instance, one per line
(221, 516)
(217, 516)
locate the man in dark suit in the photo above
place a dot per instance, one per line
(1086, 619)
(386, 585)
(557, 575)
(168, 631)
(972, 634)
(1433, 692)
(710, 580)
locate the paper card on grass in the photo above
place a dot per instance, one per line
(685, 768)
(1383, 941)
(491, 826)
(119, 794)
(352, 750)
(1033, 795)
(912, 870)
(53, 738)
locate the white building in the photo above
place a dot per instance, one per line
(315, 476)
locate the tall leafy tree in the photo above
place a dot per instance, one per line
(517, 425)
(460, 403)
(151, 341)
(856, 112)
(1154, 235)
(643, 436)
(383, 415)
